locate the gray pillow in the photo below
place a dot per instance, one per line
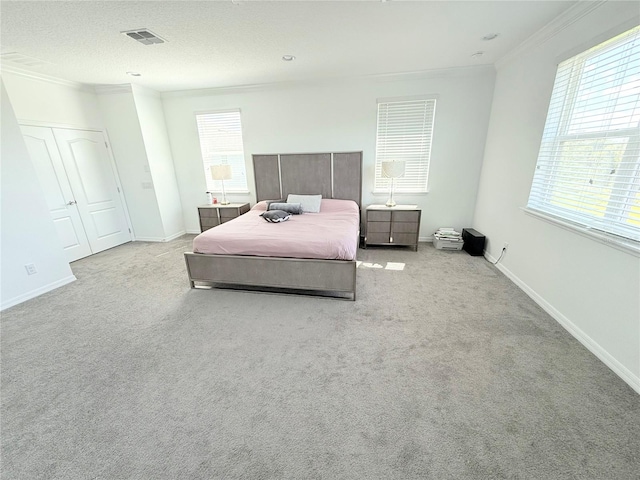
(310, 203)
(276, 216)
(295, 208)
(269, 202)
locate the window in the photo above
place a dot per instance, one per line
(405, 129)
(588, 169)
(221, 143)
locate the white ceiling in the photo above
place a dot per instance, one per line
(225, 43)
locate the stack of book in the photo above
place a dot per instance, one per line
(447, 239)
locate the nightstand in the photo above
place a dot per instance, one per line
(399, 225)
(216, 214)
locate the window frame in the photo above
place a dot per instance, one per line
(381, 184)
(229, 184)
(557, 133)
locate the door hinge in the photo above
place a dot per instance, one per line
(129, 230)
(106, 144)
(118, 189)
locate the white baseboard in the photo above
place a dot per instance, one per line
(37, 292)
(160, 239)
(426, 239)
(175, 235)
(149, 239)
(195, 232)
(618, 368)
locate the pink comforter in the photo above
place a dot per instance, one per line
(331, 234)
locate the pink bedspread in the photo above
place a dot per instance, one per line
(331, 234)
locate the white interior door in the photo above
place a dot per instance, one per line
(93, 182)
(57, 191)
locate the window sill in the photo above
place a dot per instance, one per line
(232, 192)
(627, 246)
(397, 194)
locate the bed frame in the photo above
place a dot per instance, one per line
(334, 175)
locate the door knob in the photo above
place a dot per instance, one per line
(72, 202)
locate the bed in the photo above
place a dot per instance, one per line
(336, 176)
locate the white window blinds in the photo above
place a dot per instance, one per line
(221, 143)
(588, 169)
(405, 130)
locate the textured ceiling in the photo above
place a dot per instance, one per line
(220, 43)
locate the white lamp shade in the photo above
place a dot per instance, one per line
(221, 172)
(393, 169)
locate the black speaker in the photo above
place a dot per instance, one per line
(473, 241)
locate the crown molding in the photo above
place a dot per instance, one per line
(551, 29)
(450, 72)
(114, 89)
(146, 91)
(104, 89)
(45, 78)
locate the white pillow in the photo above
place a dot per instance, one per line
(310, 203)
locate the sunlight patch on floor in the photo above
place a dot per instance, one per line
(389, 266)
(394, 266)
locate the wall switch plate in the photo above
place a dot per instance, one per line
(147, 185)
(31, 268)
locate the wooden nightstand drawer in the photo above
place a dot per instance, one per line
(209, 222)
(379, 227)
(404, 238)
(375, 216)
(229, 213)
(405, 227)
(413, 216)
(378, 237)
(233, 212)
(208, 212)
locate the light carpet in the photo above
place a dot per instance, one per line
(441, 370)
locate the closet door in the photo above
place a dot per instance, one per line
(50, 171)
(93, 182)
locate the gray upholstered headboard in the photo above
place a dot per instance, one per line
(334, 175)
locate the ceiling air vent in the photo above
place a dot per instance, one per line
(22, 60)
(144, 36)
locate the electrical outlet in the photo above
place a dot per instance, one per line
(505, 246)
(31, 268)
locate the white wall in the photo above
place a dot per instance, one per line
(42, 101)
(58, 104)
(123, 128)
(341, 116)
(45, 102)
(28, 234)
(156, 141)
(591, 288)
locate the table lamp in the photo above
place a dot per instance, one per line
(222, 173)
(392, 170)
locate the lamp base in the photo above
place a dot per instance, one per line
(391, 203)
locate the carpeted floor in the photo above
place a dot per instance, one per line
(443, 370)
